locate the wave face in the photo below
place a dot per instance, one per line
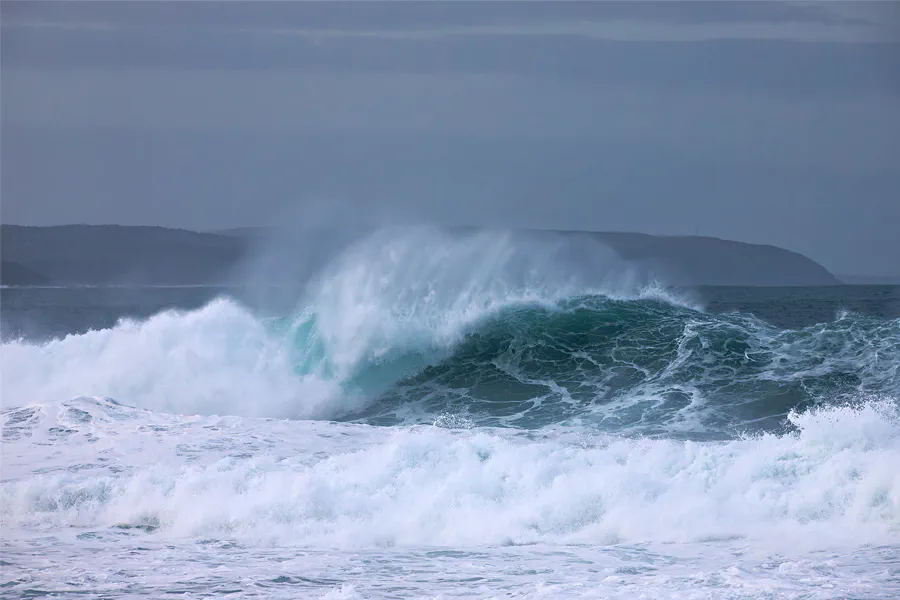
(645, 364)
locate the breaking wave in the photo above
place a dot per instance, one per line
(473, 330)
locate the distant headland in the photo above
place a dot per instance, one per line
(138, 255)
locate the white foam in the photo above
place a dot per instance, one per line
(216, 360)
(833, 482)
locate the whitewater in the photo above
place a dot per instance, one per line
(451, 414)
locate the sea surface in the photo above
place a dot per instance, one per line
(435, 418)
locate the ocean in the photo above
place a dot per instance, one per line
(463, 420)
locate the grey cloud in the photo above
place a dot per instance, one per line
(796, 49)
(410, 16)
(789, 67)
(760, 126)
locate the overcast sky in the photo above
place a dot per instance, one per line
(760, 121)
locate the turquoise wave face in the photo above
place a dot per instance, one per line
(642, 365)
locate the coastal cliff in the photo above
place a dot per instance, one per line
(132, 255)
